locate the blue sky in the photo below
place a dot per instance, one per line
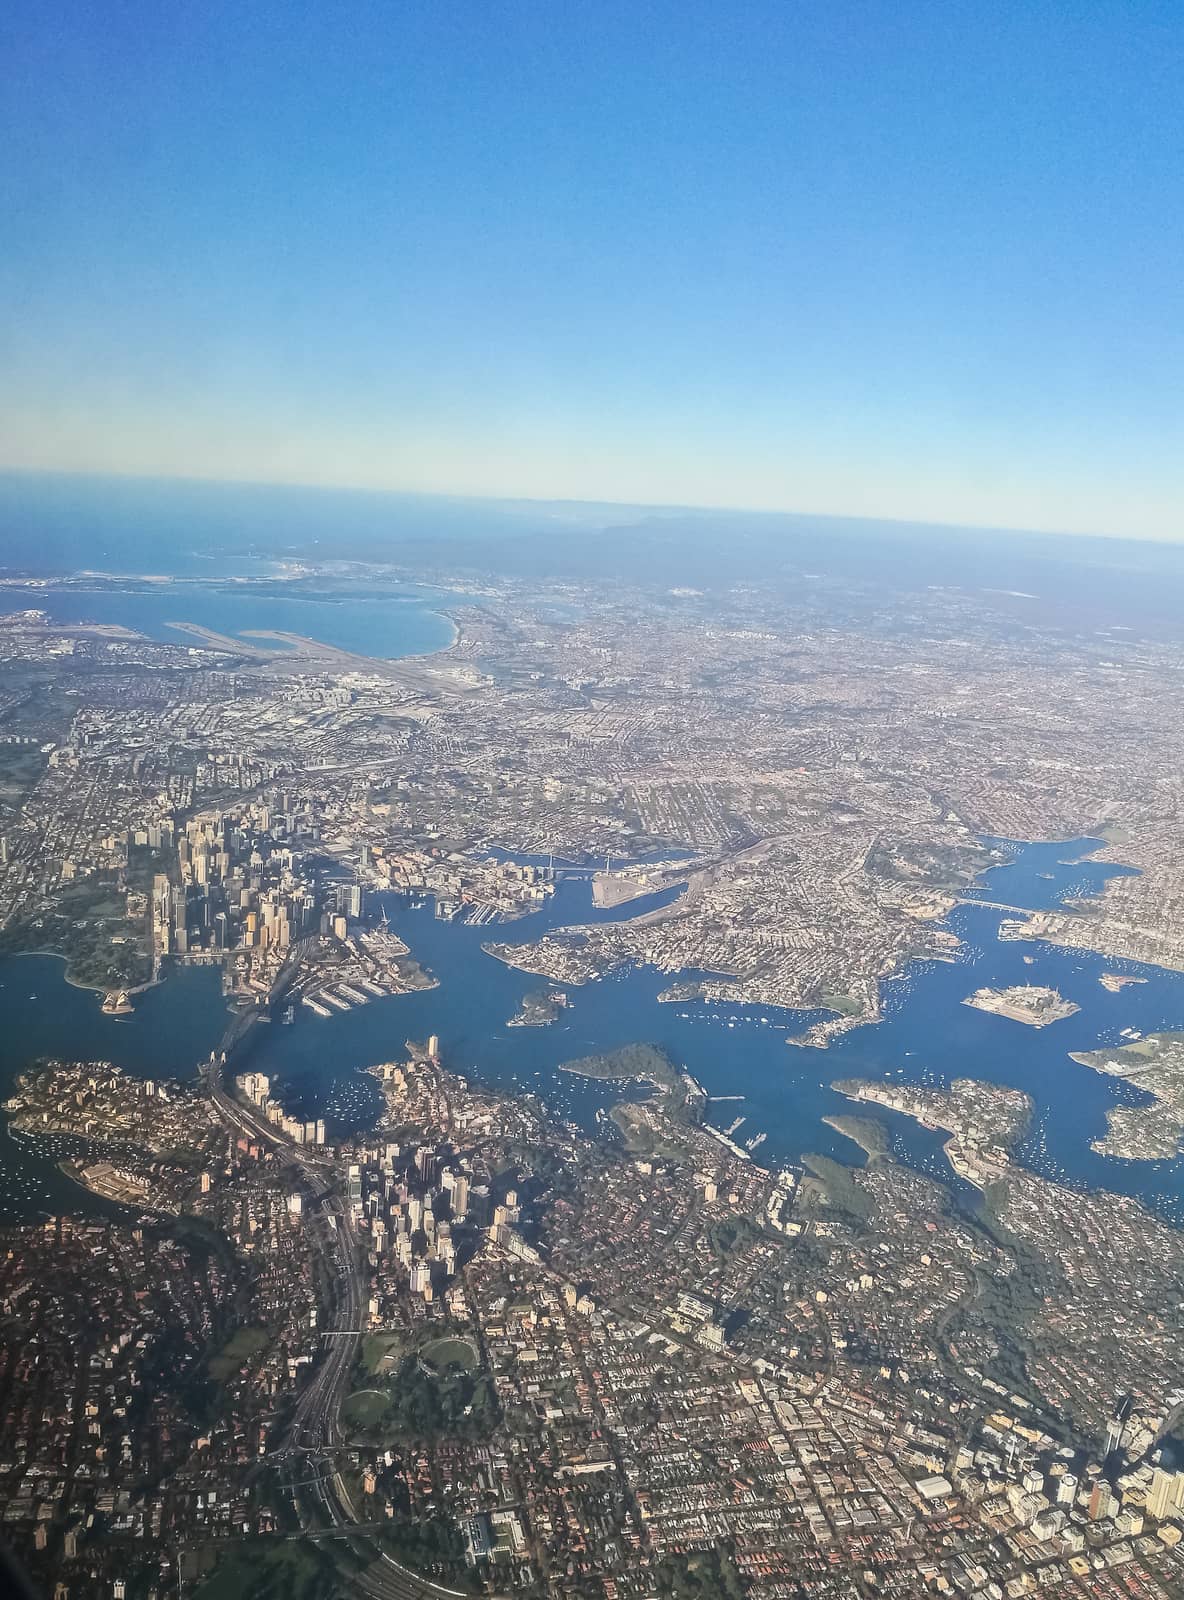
(905, 259)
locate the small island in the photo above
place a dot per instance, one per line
(1023, 1002)
(539, 1009)
(1153, 1131)
(1116, 981)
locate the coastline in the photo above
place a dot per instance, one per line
(81, 582)
(867, 1133)
(77, 983)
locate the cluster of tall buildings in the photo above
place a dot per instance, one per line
(1165, 1497)
(237, 885)
(256, 1087)
(350, 902)
(414, 1202)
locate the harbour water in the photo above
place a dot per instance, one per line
(926, 1035)
(173, 1026)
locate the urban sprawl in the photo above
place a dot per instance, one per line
(476, 1348)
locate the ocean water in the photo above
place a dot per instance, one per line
(927, 1035)
(57, 524)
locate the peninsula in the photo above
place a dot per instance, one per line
(1153, 1130)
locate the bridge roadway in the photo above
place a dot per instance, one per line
(1019, 911)
(316, 1421)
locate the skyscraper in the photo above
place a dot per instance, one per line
(1101, 1501)
(1165, 1498)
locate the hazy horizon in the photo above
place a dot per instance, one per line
(588, 507)
(913, 263)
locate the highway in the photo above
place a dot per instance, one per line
(331, 1230)
(314, 1434)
